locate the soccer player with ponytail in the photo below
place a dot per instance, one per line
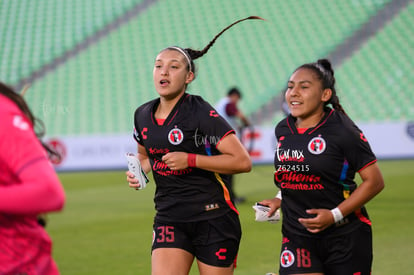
(326, 228)
(189, 147)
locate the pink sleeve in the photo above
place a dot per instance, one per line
(40, 191)
(29, 184)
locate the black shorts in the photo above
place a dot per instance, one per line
(214, 242)
(337, 255)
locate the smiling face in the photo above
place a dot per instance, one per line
(306, 97)
(170, 74)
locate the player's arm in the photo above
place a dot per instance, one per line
(243, 118)
(372, 184)
(143, 158)
(233, 158)
(39, 189)
(232, 110)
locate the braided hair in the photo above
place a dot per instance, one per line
(191, 54)
(38, 125)
(325, 73)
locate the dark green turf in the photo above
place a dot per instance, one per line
(106, 227)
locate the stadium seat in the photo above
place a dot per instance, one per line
(97, 89)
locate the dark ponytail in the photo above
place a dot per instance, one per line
(323, 69)
(192, 54)
(197, 54)
(38, 125)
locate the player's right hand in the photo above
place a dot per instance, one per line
(274, 205)
(132, 180)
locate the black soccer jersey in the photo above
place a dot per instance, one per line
(193, 126)
(316, 169)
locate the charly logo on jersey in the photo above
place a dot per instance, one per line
(287, 258)
(175, 136)
(317, 145)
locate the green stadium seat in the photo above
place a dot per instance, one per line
(97, 90)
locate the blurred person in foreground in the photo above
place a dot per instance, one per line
(29, 187)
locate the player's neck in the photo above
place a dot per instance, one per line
(165, 107)
(310, 121)
(163, 111)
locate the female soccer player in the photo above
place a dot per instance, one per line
(29, 186)
(188, 147)
(326, 228)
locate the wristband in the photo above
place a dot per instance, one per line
(337, 214)
(191, 160)
(279, 195)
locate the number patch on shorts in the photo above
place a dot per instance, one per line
(303, 259)
(165, 234)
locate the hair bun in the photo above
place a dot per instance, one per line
(326, 64)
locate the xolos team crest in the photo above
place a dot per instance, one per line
(287, 258)
(175, 136)
(317, 145)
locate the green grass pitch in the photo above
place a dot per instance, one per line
(106, 227)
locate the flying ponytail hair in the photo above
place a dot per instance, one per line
(324, 71)
(191, 54)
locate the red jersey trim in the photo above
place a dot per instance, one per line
(362, 218)
(368, 164)
(225, 135)
(178, 103)
(291, 129)
(302, 130)
(172, 118)
(313, 130)
(322, 123)
(155, 122)
(160, 121)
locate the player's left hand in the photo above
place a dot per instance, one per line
(322, 220)
(176, 160)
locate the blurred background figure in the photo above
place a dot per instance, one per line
(228, 108)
